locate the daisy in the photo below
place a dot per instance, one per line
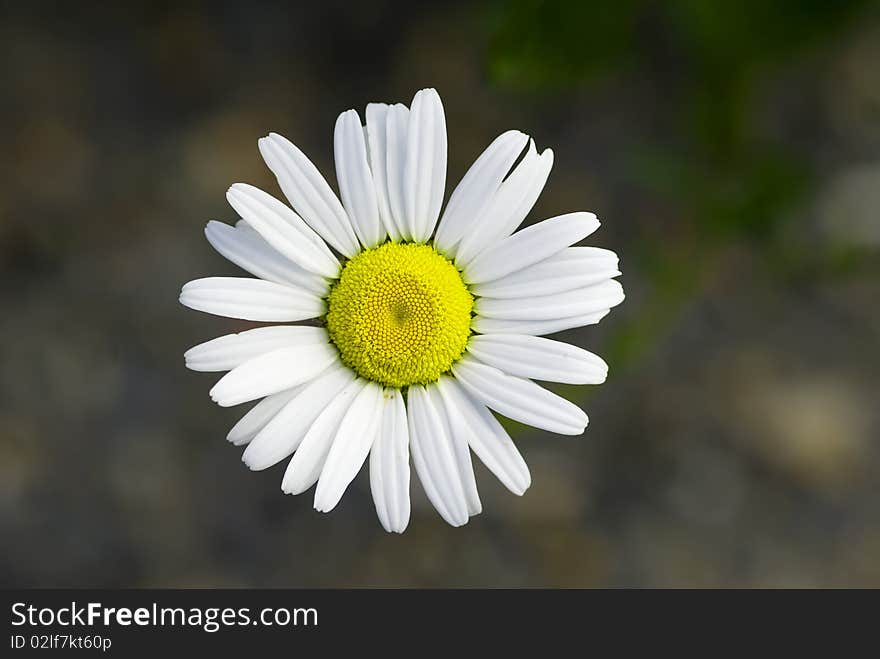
(422, 321)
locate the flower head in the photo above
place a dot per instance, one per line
(418, 328)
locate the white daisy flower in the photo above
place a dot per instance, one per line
(423, 321)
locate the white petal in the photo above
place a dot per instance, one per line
(538, 358)
(259, 415)
(355, 179)
(535, 327)
(226, 352)
(396, 139)
(472, 420)
(309, 193)
(247, 249)
(425, 172)
(509, 206)
(250, 299)
(575, 267)
(477, 188)
(389, 465)
(352, 444)
(280, 436)
(377, 150)
(283, 229)
(530, 246)
(518, 399)
(272, 372)
(294, 274)
(546, 307)
(306, 464)
(461, 451)
(434, 459)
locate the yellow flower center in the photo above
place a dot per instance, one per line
(399, 314)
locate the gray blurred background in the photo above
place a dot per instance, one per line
(732, 151)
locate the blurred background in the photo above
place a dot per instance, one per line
(732, 151)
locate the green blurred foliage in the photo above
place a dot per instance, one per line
(736, 182)
(544, 45)
(730, 181)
